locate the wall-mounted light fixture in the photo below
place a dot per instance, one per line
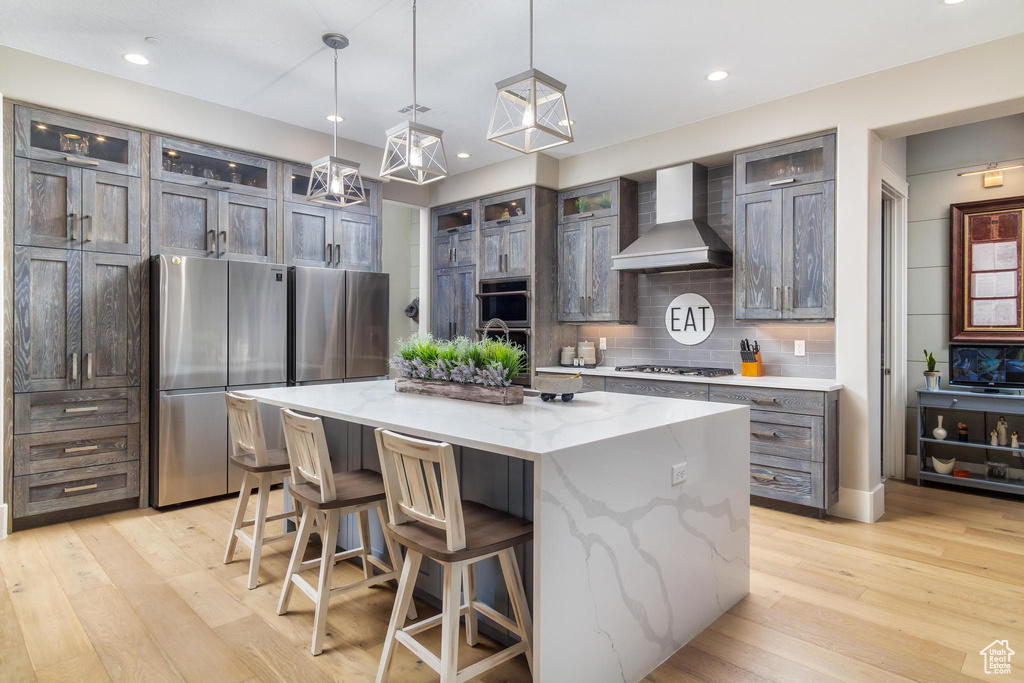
(993, 174)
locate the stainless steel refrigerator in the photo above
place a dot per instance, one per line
(216, 326)
(338, 329)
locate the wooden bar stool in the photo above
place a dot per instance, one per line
(456, 534)
(325, 496)
(249, 453)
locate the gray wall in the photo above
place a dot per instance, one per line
(649, 341)
(933, 161)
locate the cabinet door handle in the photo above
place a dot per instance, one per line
(503, 221)
(82, 449)
(88, 366)
(764, 433)
(585, 215)
(330, 252)
(337, 254)
(787, 298)
(211, 241)
(87, 231)
(763, 477)
(452, 230)
(74, 367)
(583, 305)
(451, 254)
(784, 181)
(223, 239)
(218, 185)
(84, 487)
(83, 409)
(763, 401)
(74, 226)
(81, 161)
(775, 298)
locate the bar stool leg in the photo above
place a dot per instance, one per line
(236, 522)
(403, 602)
(328, 538)
(517, 596)
(298, 552)
(258, 527)
(451, 603)
(469, 588)
(395, 553)
(364, 542)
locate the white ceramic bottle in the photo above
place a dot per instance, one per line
(939, 433)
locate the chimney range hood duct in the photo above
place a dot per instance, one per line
(681, 239)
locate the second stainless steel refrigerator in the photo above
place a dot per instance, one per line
(216, 325)
(339, 325)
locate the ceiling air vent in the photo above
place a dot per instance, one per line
(420, 109)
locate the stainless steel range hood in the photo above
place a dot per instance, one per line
(681, 239)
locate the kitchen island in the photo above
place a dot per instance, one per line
(626, 567)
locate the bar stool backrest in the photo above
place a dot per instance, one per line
(246, 428)
(308, 457)
(411, 469)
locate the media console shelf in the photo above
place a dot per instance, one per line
(981, 413)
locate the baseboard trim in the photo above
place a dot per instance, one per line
(860, 506)
(3, 521)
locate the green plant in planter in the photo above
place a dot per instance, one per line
(930, 359)
(490, 362)
(583, 204)
(604, 200)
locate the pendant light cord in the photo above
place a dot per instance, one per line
(531, 34)
(335, 117)
(414, 105)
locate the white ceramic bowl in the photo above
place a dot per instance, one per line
(943, 466)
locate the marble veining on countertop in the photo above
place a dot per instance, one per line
(524, 431)
(772, 382)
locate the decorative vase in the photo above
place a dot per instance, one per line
(931, 380)
(943, 466)
(939, 433)
(1002, 431)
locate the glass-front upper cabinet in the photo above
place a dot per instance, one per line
(592, 201)
(295, 183)
(48, 136)
(454, 218)
(505, 209)
(795, 163)
(190, 163)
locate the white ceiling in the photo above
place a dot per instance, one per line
(632, 67)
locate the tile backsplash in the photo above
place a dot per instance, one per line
(649, 341)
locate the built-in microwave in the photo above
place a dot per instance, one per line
(505, 299)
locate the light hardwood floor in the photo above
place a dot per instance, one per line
(143, 596)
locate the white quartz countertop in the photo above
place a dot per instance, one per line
(524, 431)
(802, 383)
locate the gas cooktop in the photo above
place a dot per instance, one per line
(665, 369)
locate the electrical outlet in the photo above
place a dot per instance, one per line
(799, 347)
(678, 473)
(603, 343)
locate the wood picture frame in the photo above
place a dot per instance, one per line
(986, 282)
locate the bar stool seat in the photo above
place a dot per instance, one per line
(487, 531)
(277, 461)
(355, 487)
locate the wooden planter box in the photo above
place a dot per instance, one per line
(506, 396)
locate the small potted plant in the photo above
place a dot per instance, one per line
(931, 375)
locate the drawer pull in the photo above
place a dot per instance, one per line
(763, 477)
(81, 449)
(763, 401)
(784, 181)
(81, 162)
(764, 433)
(84, 487)
(84, 409)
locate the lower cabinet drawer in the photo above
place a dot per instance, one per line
(788, 479)
(788, 436)
(798, 401)
(668, 389)
(36, 494)
(48, 411)
(55, 451)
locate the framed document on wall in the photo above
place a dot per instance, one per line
(986, 280)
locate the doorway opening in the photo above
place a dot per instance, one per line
(893, 326)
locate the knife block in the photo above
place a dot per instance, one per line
(754, 369)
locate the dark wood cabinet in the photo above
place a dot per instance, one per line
(111, 320)
(111, 212)
(784, 256)
(247, 228)
(47, 204)
(76, 141)
(183, 220)
(47, 319)
(357, 237)
(454, 302)
(309, 235)
(506, 251)
(596, 222)
(214, 168)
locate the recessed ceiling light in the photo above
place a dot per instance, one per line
(717, 75)
(335, 118)
(566, 122)
(952, 2)
(463, 155)
(135, 59)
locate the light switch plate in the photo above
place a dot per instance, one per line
(678, 473)
(799, 347)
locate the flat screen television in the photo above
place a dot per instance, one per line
(994, 366)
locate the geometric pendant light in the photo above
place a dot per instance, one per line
(335, 182)
(414, 153)
(530, 112)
